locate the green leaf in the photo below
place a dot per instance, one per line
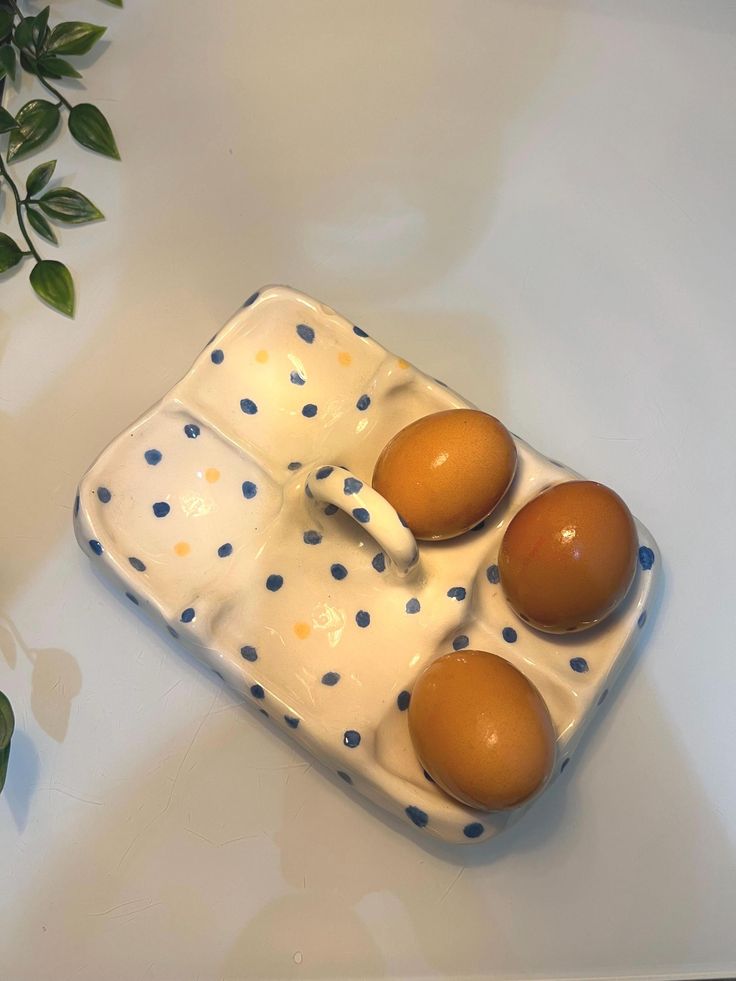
(57, 67)
(28, 62)
(39, 224)
(115, 3)
(6, 121)
(7, 721)
(52, 281)
(41, 27)
(7, 61)
(71, 207)
(24, 33)
(39, 177)
(6, 22)
(74, 37)
(4, 757)
(90, 128)
(37, 121)
(10, 254)
(7, 725)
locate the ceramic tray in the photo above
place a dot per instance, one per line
(238, 514)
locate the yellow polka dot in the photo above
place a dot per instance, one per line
(302, 630)
(212, 475)
(262, 357)
(182, 548)
(344, 358)
(403, 364)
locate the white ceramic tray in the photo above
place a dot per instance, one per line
(306, 593)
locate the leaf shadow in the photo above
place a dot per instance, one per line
(22, 777)
(55, 682)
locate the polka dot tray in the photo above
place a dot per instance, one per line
(238, 514)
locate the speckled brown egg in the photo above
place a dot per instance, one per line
(569, 556)
(481, 730)
(446, 472)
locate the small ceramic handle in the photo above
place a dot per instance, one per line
(342, 489)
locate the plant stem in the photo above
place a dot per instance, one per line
(50, 88)
(19, 210)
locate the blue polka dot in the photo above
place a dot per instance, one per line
(603, 697)
(363, 402)
(187, 615)
(324, 472)
(352, 485)
(351, 738)
(362, 618)
(457, 593)
(171, 630)
(248, 406)
(257, 691)
(296, 378)
(509, 635)
(249, 490)
(76, 505)
(646, 557)
(401, 520)
(579, 664)
(191, 430)
(345, 776)
(474, 830)
(104, 495)
(331, 509)
(338, 571)
(153, 457)
(642, 618)
(132, 598)
(428, 776)
(330, 678)
(291, 721)
(137, 564)
(249, 653)
(308, 492)
(309, 410)
(251, 299)
(460, 643)
(417, 816)
(312, 537)
(402, 700)
(294, 465)
(96, 546)
(413, 605)
(225, 550)
(306, 333)
(379, 562)
(217, 356)
(264, 712)
(359, 331)
(274, 583)
(564, 764)
(361, 515)
(492, 574)
(161, 509)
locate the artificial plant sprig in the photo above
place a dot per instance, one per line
(43, 50)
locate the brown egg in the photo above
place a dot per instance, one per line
(481, 730)
(446, 472)
(568, 557)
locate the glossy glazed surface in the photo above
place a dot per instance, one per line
(481, 730)
(568, 557)
(239, 512)
(446, 472)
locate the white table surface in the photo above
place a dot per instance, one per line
(533, 200)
